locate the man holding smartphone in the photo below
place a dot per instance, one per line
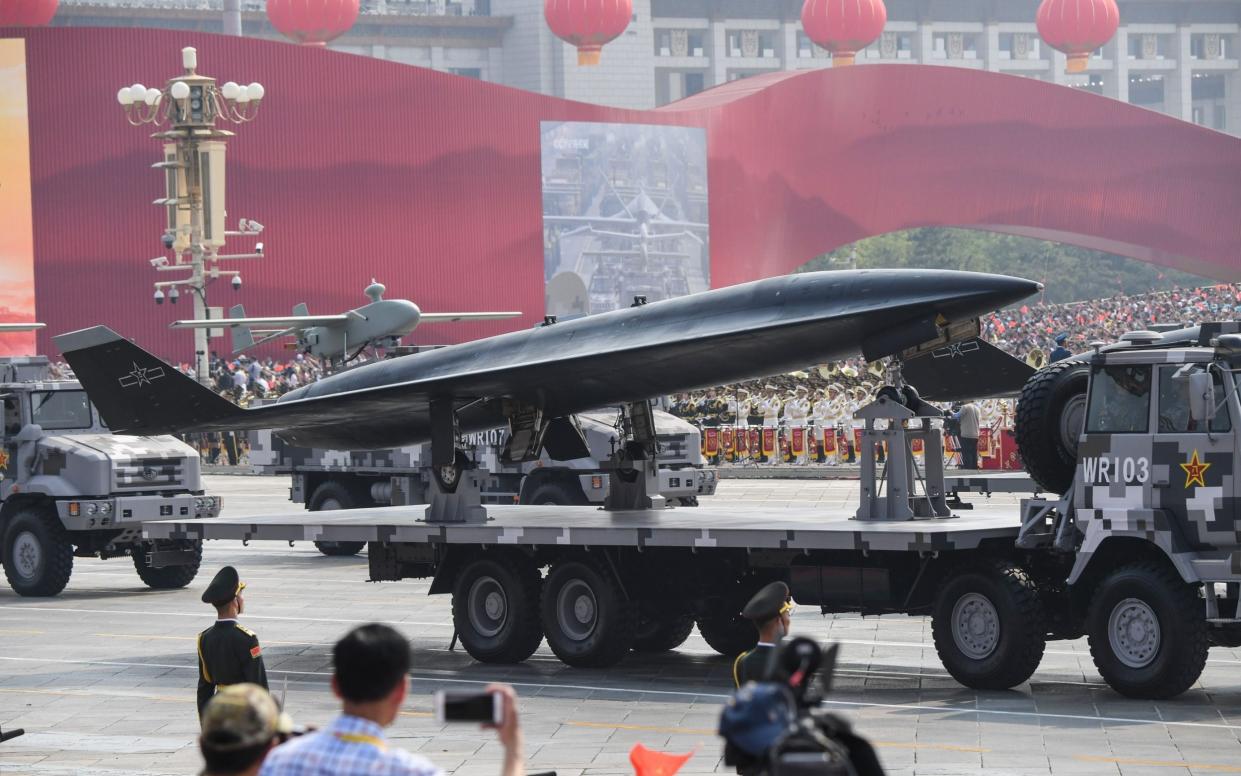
(371, 665)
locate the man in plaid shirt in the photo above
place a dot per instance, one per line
(371, 666)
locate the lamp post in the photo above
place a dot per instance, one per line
(193, 164)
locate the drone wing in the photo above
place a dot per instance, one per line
(271, 324)
(456, 317)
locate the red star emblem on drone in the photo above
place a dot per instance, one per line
(1194, 471)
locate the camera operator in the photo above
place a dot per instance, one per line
(775, 726)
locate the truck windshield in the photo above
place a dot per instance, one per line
(1120, 399)
(60, 409)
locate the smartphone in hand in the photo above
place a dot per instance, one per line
(479, 706)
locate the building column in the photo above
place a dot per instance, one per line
(495, 64)
(991, 42)
(1232, 103)
(719, 52)
(1058, 62)
(1178, 86)
(1116, 83)
(926, 43)
(790, 44)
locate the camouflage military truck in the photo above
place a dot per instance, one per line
(1141, 553)
(334, 479)
(70, 488)
(1141, 437)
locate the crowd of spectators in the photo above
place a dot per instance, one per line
(827, 395)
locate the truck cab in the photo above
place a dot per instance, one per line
(1148, 528)
(70, 488)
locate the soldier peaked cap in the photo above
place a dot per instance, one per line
(224, 587)
(767, 603)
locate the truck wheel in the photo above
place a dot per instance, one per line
(38, 555)
(588, 621)
(728, 635)
(1050, 416)
(1147, 632)
(554, 492)
(334, 495)
(988, 626)
(167, 577)
(661, 631)
(495, 609)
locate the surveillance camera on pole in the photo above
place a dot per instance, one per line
(236, 282)
(187, 108)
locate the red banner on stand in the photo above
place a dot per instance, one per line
(769, 442)
(711, 442)
(799, 441)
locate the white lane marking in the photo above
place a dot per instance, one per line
(199, 616)
(685, 694)
(275, 618)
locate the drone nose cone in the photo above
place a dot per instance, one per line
(971, 294)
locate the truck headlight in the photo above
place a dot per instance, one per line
(198, 503)
(105, 508)
(92, 508)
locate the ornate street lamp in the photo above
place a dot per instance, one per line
(189, 106)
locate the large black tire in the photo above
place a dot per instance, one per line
(723, 627)
(1050, 415)
(495, 608)
(38, 554)
(661, 631)
(1147, 631)
(587, 618)
(168, 577)
(556, 492)
(334, 495)
(988, 626)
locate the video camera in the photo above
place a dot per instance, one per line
(776, 728)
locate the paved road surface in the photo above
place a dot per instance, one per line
(103, 676)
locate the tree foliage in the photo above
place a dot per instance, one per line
(1068, 273)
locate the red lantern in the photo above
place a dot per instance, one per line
(843, 27)
(1077, 27)
(312, 22)
(27, 13)
(588, 24)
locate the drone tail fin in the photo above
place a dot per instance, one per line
(137, 393)
(243, 338)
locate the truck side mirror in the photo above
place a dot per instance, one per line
(31, 432)
(1201, 397)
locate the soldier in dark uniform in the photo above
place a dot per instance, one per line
(228, 652)
(769, 610)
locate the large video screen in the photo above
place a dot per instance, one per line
(624, 215)
(16, 226)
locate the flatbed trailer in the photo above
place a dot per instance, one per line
(1138, 553)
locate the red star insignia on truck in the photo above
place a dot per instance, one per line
(1194, 471)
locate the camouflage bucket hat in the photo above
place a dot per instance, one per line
(241, 716)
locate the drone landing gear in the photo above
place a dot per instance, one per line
(633, 482)
(454, 487)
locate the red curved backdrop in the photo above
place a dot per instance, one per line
(431, 182)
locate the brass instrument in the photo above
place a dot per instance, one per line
(1037, 358)
(829, 371)
(875, 369)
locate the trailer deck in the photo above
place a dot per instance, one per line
(707, 526)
